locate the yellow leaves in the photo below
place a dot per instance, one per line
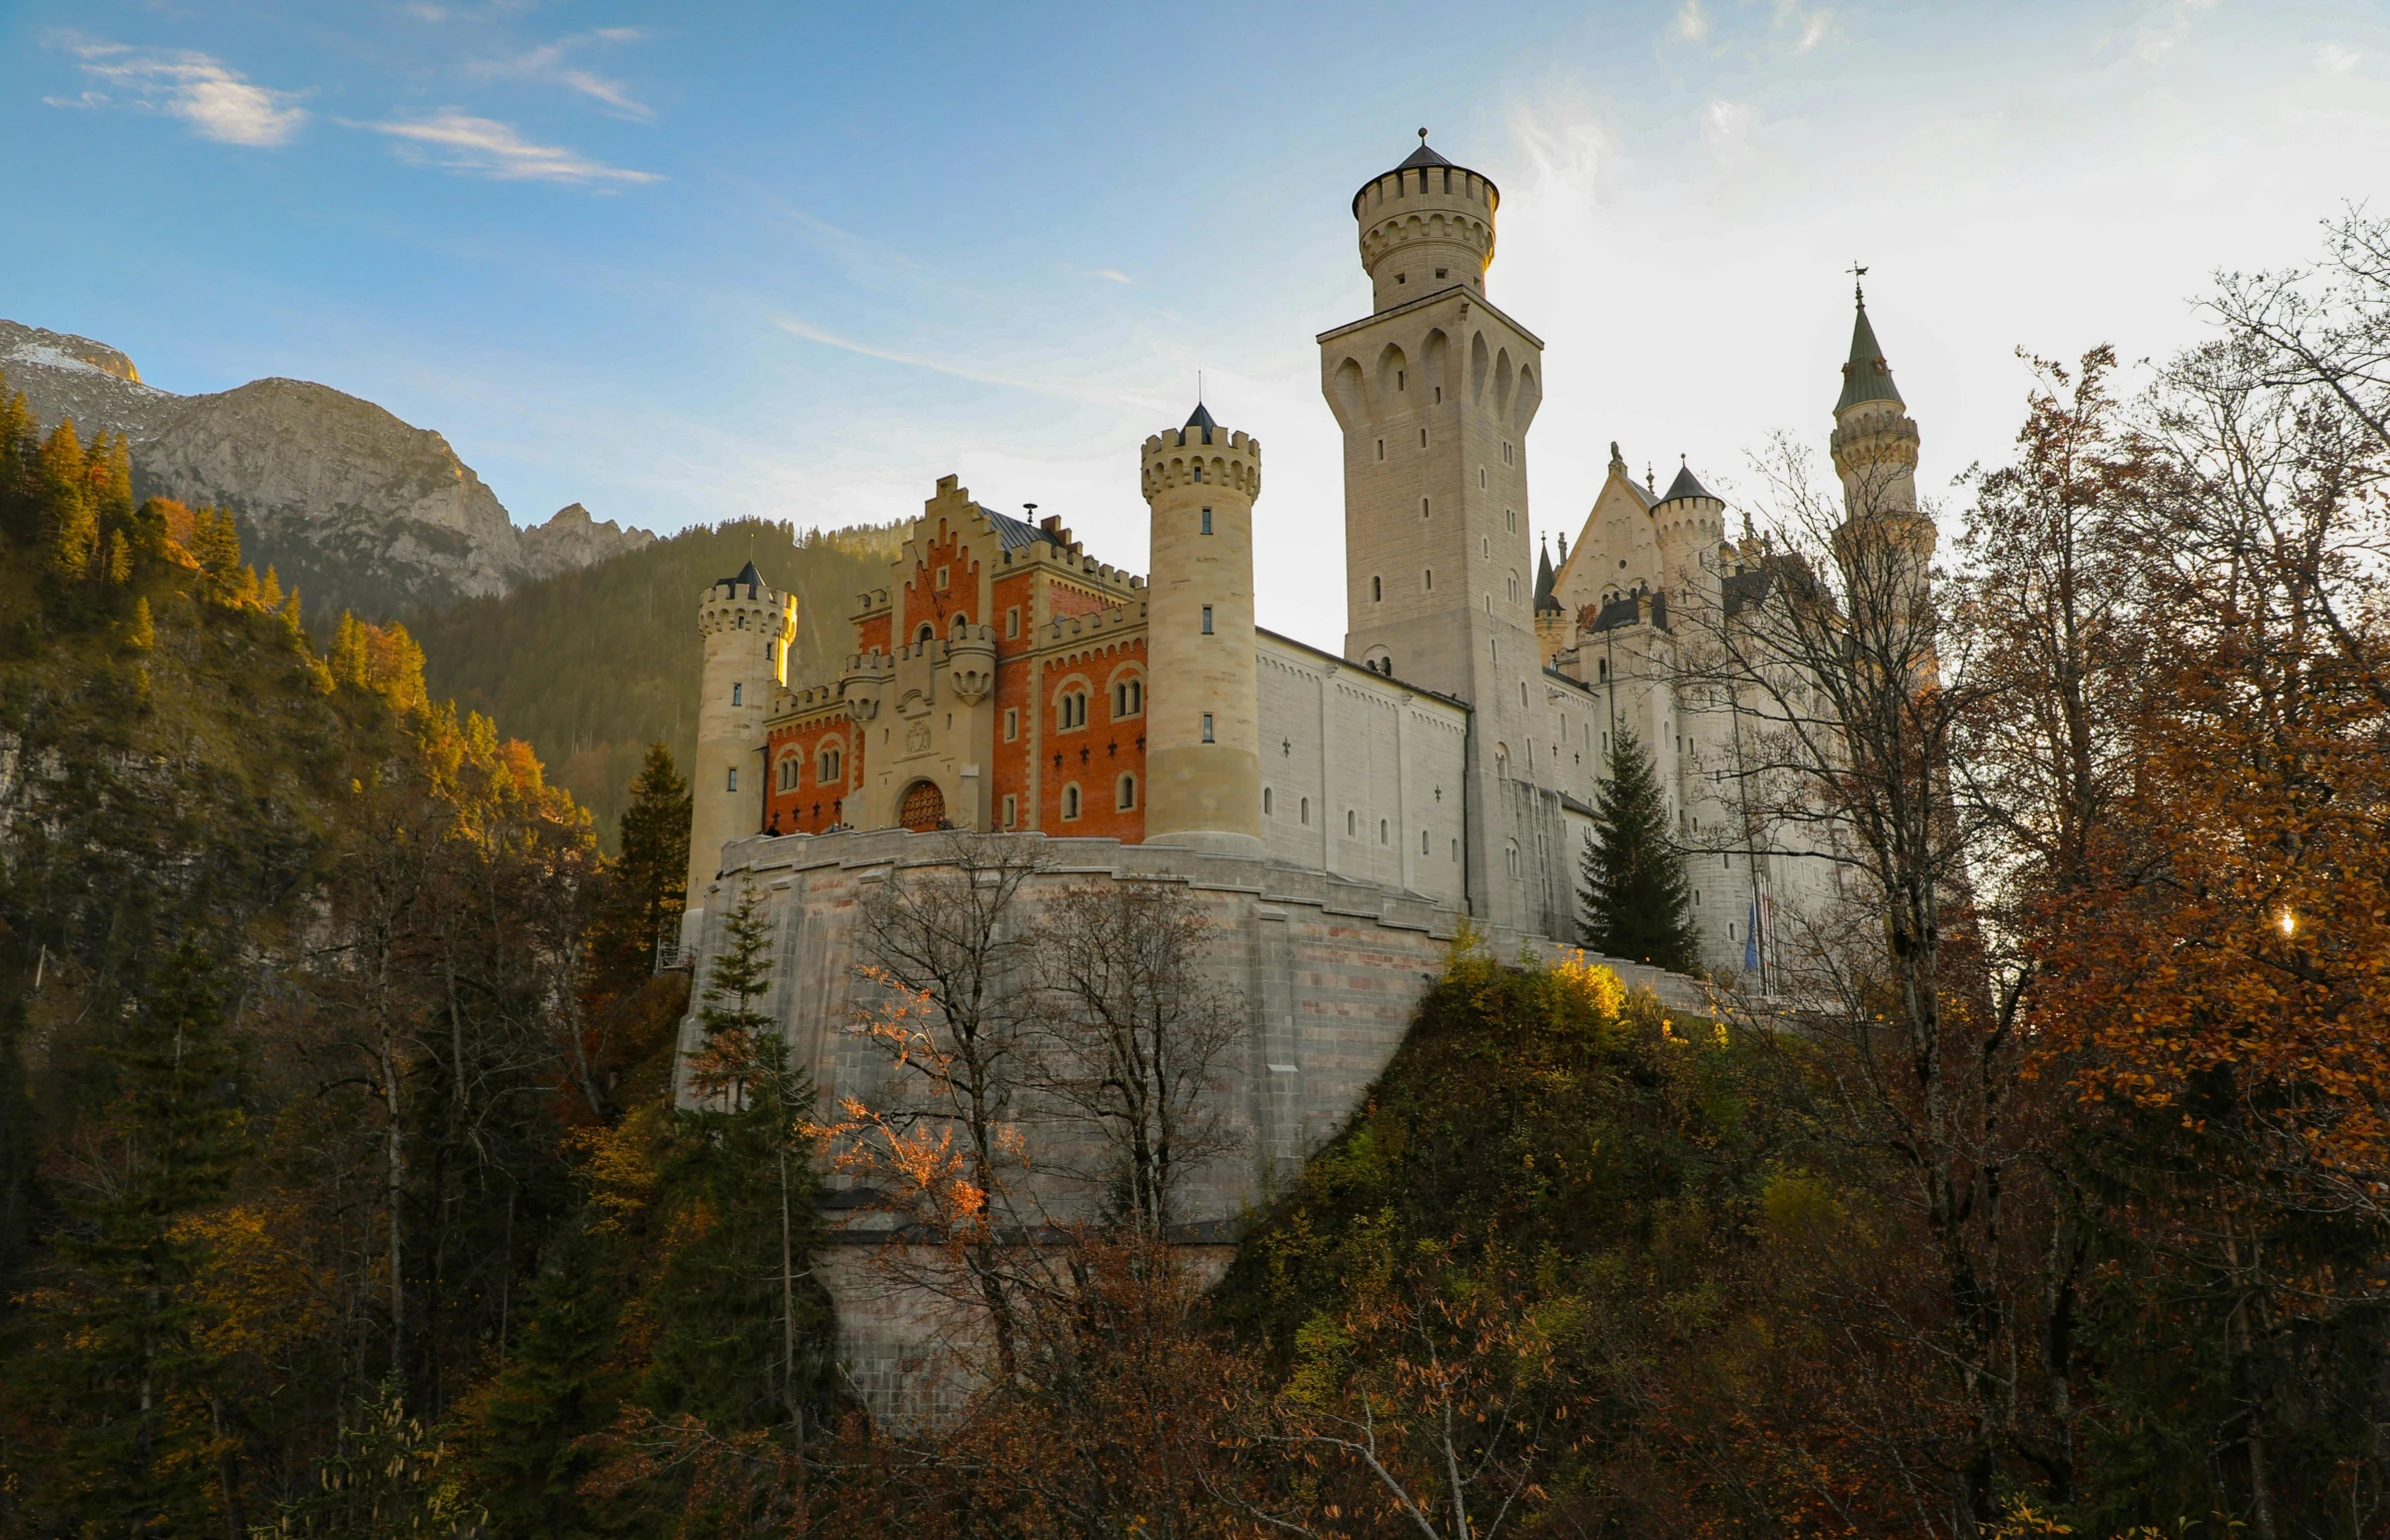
(266, 1291)
(1596, 987)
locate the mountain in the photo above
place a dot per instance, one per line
(590, 666)
(360, 510)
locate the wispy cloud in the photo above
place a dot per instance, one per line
(1727, 126)
(2337, 58)
(1691, 25)
(2165, 25)
(1065, 392)
(1809, 28)
(554, 61)
(217, 102)
(457, 141)
(1112, 275)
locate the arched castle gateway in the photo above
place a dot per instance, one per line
(1335, 812)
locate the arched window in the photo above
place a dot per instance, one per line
(1071, 801)
(1307, 811)
(1601, 671)
(738, 695)
(1353, 824)
(961, 626)
(1126, 797)
(1422, 842)
(828, 771)
(922, 637)
(1510, 852)
(1381, 832)
(1266, 802)
(1071, 710)
(789, 770)
(1128, 696)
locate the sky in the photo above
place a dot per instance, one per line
(682, 263)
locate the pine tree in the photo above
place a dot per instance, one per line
(141, 633)
(1636, 899)
(650, 878)
(62, 483)
(347, 659)
(215, 546)
(556, 1387)
(742, 1342)
(127, 1361)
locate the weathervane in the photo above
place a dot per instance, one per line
(1856, 273)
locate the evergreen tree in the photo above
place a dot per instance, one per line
(16, 461)
(556, 1387)
(215, 546)
(62, 483)
(651, 879)
(1637, 900)
(128, 1362)
(742, 1342)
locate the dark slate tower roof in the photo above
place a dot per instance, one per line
(1686, 486)
(1422, 156)
(747, 579)
(1546, 604)
(1421, 159)
(1202, 419)
(1867, 377)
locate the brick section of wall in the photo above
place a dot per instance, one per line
(1092, 758)
(923, 603)
(812, 805)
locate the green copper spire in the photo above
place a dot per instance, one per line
(1867, 377)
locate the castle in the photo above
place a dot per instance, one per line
(1335, 817)
(1449, 752)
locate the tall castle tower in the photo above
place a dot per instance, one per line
(1202, 731)
(1887, 542)
(1434, 390)
(747, 628)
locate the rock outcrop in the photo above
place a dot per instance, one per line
(358, 509)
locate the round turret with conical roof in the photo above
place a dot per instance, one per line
(1202, 711)
(1426, 226)
(747, 625)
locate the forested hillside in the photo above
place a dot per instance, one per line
(593, 665)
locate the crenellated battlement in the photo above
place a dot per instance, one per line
(1186, 457)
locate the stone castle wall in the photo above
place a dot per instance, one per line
(1329, 969)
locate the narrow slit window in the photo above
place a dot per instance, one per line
(1207, 620)
(1207, 521)
(1206, 727)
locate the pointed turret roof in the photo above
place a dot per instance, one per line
(1868, 376)
(1202, 419)
(1545, 602)
(747, 579)
(1686, 485)
(1422, 156)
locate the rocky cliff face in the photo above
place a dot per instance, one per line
(360, 510)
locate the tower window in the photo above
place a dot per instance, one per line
(1266, 800)
(1376, 590)
(826, 773)
(1199, 469)
(1207, 620)
(1440, 390)
(1126, 799)
(1429, 574)
(1012, 724)
(1306, 812)
(1013, 622)
(1480, 478)
(788, 772)
(1424, 510)
(1353, 823)
(770, 650)
(1071, 801)
(1012, 811)
(1381, 449)
(1510, 520)
(1422, 842)
(1506, 452)
(1207, 521)
(1071, 710)
(1397, 373)
(1422, 438)
(1456, 852)
(1127, 698)
(733, 784)
(1206, 727)
(1381, 832)
(922, 637)
(941, 576)
(1510, 855)
(738, 695)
